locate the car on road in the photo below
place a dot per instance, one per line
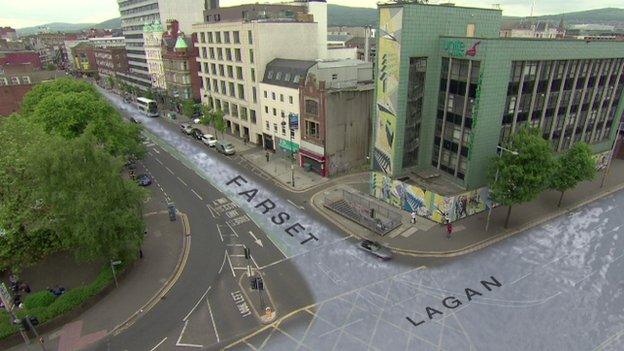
(186, 128)
(375, 248)
(209, 140)
(225, 147)
(144, 180)
(197, 134)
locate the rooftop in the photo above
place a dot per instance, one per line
(446, 5)
(286, 72)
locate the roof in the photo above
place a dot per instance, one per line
(286, 73)
(340, 63)
(339, 37)
(181, 43)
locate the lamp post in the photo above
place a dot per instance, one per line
(500, 151)
(611, 154)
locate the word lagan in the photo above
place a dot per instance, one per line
(452, 302)
(267, 206)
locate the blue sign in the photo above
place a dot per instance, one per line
(293, 121)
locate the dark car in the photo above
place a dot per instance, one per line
(144, 180)
(197, 134)
(375, 248)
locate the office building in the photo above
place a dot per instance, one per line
(235, 46)
(450, 90)
(181, 67)
(136, 13)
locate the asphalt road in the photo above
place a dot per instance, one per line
(556, 287)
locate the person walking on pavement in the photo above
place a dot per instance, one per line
(413, 217)
(268, 157)
(449, 229)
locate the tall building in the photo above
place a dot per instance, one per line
(236, 44)
(136, 13)
(449, 90)
(152, 36)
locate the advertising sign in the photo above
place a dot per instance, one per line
(293, 120)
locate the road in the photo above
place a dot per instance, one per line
(556, 287)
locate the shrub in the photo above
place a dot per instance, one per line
(39, 299)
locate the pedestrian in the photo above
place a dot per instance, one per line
(413, 217)
(449, 229)
(268, 157)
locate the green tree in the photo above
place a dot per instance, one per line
(188, 108)
(219, 121)
(573, 167)
(61, 85)
(522, 175)
(111, 81)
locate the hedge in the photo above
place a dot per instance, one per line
(39, 304)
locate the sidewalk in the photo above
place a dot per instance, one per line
(162, 250)
(278, 168)
(428, 238)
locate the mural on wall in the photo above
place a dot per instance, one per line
(426, 203)
(389, 53)
(602, 160)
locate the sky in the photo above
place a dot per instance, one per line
(26, 13)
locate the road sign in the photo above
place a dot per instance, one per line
(5, 295)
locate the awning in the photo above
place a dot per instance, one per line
(289, 145)
(312, 155)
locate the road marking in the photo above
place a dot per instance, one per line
(157, 160)
(211, 211)
(180, 338)
(230, 263)
(181, 181)
(222, 263)
(197, 304)
(256, 240)
(150, 154)
(160, 343)
(233, 231)
(156, 151)
(286, 258)
(219, 229)
(519, 279)
(214, 326)
(297, 206)
(169, 169)
(196, 194)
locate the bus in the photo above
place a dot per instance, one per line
(147, 106)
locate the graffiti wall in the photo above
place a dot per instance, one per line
(426, 203)
(387, 84)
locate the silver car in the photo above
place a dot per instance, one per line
(225, 148)
(376, 249)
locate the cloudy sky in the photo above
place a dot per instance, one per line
(25, 13)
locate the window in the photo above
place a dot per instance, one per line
(290, 99)
(223, 89)
(239, 73)
(213, 68)
(230, 71)
(275, 127)
(287, 77)
(212, 53)
(252, 116)
(231, 87)
(226, 37)
(311, 107)
(253, 75)
(249, 37)
(237, 55)
(228, 54)
(222, 70)
(226, 107)
(241, 92)
(274, 112)
(268, 127)
(3, 81)
(236, 35)
(266, 95)
(283, 129)
(220, 54)
(270, 75)
(273, 95)
(15, 80)
(312, 129)
(253, 95)
(278, 76)
(202, 37)
(25, 80)
(243, 113)
(215, 85)
(334, 76)
(218, 37)
(282, 97)
(266, 110)
(471, 30)
(210, 38)
(251, 56)
(234, 109)
(283, 114)
(296, 79)
(203, 53)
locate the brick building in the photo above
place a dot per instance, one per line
(83, 57)
(18, 79)
(181, 68)
(110, 61)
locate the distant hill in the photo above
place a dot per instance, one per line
(114, 23)
(351, 16)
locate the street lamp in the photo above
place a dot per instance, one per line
(500, 153)
(611, 154)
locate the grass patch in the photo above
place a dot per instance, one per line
(46, 307)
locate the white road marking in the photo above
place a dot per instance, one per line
(196, 194)
(256, 240)
(220, 235)
(197, 304)
(223, 263)
(157, 160)
(214, 326)
(180, 338)
(230, 263)
(212, 213)
(181, 181)
(233, 231)
(156, 151)
(160, 343)
(150, 154)
(168, 169)
(519, 279)
(297, 206)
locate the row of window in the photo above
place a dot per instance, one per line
(281, 97)
(227, 88)
(15, 80)
(222, 54)
(282, 113)
(286, 77)
(283, 125)
(226, 71)
(233, 110)
(139, 9)
(225, 37)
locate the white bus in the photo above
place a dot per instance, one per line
(147, 106)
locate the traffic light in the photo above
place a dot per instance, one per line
(259, 283)
(254, 283)
(247, 253)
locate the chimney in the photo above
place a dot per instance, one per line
(367, 38)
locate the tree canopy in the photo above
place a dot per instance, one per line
(573, 167)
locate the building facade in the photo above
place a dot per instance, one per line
(336, 113)
(234, 54)
(279, 101)
(181, 69)
(16, 80)
(445, 102)
(110, 61)
(83, 56)
(152, 36)
(8, 33)
(136, 13)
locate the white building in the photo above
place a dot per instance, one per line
(152, 35)
(136, 13)
(106, 42)
(279, 100)
(233, 54)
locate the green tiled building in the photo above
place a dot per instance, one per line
(449, 90)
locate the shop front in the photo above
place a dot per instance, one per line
(313, 162)
(287, 149)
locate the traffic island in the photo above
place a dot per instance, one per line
(256, 291)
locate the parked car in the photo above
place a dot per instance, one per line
(376, 249)
(225, 147)
(144, 180)
(197, 134)
(186, 128)
(134, 120)
(171, 115)
(209, 140)
(196, 120)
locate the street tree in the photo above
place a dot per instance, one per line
(524, 174)
(207, 117)
(188, 108)
(573, 167)
(61, 85)
(219, 121)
